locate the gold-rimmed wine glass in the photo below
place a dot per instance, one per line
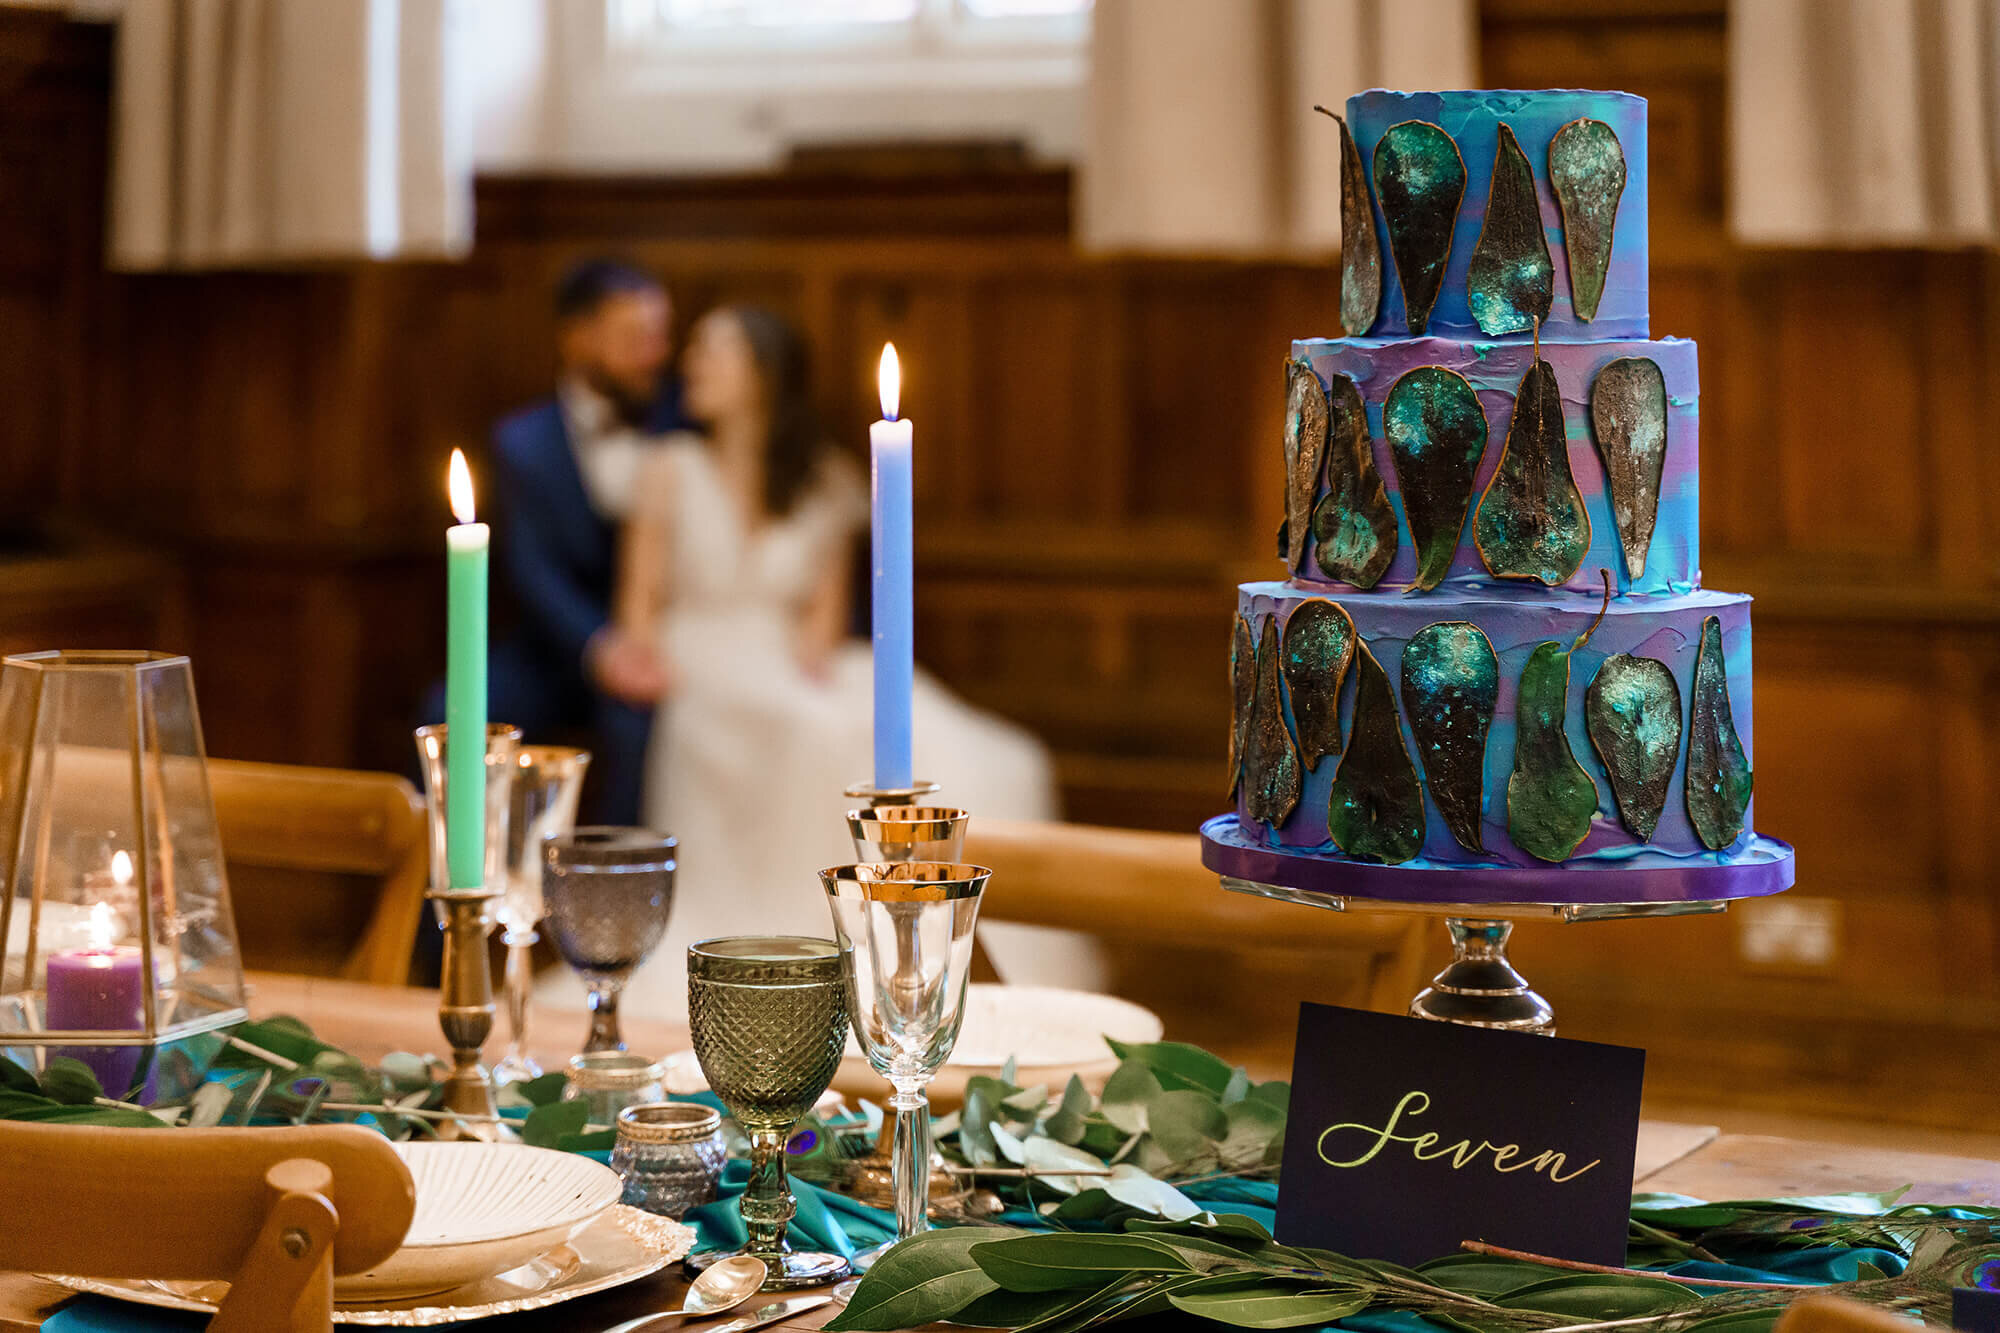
(768, 1018)
(906, 928)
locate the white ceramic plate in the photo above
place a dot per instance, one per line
(483, 1208)
(1049, 1032)
(622, 1245)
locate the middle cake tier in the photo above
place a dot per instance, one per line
(1319, 714)
(1630, 426)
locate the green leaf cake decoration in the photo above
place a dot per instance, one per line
(1719, 780)
(1628, 420)
(1353, 527)
(1437, 432)
(1319, 647)
(1376, 809)
(1633, 713)
(1360, 251)
(1420, 179)
(1243, 694)
(1305, 446)
(1451, 681)
(1511, 280)
(1271, 760)
(1531, 522)
(1587, 172)
(1550, 799)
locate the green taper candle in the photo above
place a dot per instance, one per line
(467, 545)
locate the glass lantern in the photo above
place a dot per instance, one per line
(120, 942)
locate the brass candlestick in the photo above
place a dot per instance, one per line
(881, 796)
(466, 1009)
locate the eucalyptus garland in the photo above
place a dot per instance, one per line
(1227, 1270)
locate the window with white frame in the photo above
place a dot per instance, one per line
(822, 27)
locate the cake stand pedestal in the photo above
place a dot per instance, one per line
(1480, 987)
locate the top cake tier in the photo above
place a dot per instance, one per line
(1599, 167)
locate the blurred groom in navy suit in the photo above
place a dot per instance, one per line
(565, 468)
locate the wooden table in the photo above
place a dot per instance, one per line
(371, 1021)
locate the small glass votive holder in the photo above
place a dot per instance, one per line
(670, 1156)
(908, 833)
(610, 1081)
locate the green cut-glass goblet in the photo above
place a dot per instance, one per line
(768, 1015)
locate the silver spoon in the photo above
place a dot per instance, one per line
(727, 1284)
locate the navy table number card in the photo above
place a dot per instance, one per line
(1406, 1137)
(1975, 1310)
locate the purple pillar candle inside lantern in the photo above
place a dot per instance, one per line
(99, 989)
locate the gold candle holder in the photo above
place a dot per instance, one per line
(466, 1010)
(881, 796)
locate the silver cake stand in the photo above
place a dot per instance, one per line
(1480, 987)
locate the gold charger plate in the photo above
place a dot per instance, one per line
(622, 1245)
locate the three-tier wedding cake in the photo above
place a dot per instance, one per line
(1491, 654)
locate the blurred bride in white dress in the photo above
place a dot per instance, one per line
(739, 559)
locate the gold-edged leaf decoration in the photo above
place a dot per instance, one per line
(1511, 281)
(1719, 781)
(1451, 683)
(1243, 693)
(1420, 180)
(1306, 423)
(1587, 173)
(1550, 799)
(1628, 422)
(1531, 523)
(1375, 811)
(1632, 711)
(1319, 646)
(1360, 248)
(1353, 525)
(1437, 432)
(1271, 774)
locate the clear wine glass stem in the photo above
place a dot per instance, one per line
(520, 983)
(912, 1159)
(604, 1034)
(767, 1198)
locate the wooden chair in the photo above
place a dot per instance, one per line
(1135, 888)
(274, 1212)
(284, 817)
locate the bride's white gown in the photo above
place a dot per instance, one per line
(751, 753)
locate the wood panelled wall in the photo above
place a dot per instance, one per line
(1099, 468)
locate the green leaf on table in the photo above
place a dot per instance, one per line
(1178, 1065)
(975, 1126)
(1270, 1305)
(1158, 1298)
(1101, 1136)
(1009, 1069)
(70, 1082)
(1238, 1088)
(1042, 1153)
(1127, 1094)
(406, 1072)
(546, 1125)
(1056, 1261)
(1071, 1117)
(1135, 1189)
(1600, 1296)
(27, 1106)
(1234, 1226)
(282, 1035)
(14, 1078)
(1277, 1093)
(1013, 1309)
(1185, 1123)
(1739, 1321)
(1256, 1134)
(921, 1280)
(596, 1140)
(1004, 1141)
(1028, 1100)
(1487, 1275)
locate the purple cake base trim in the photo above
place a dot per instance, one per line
(1763, 866)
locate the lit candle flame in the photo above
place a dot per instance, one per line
(101, 928)
(889, 381)
(121, 867)
(461, 487)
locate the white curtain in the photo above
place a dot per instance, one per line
(266, 132)
(1202, 138)
(1865, 122)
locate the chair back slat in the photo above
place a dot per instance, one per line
(184, 1204)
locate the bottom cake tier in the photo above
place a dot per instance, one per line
(1641, 720)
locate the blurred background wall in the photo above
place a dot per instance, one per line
(247, 465)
